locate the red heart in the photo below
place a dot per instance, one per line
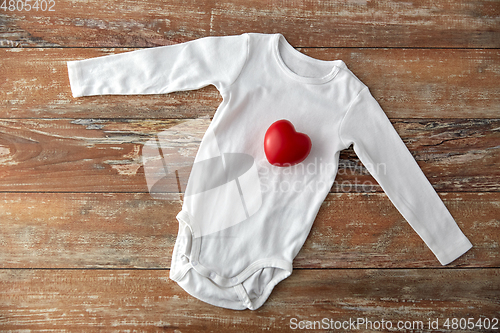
(284, 146)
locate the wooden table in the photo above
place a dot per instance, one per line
(84, 246)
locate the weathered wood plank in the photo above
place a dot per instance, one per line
(47, 230)
(105, 155)
(55, 237)
(422, 23)
(112, 23)
(34, 84)
(146, 300)
(366, 23)
(125, 230)
(408, 83)
(370, 224)
(442, 83)
(445, 153)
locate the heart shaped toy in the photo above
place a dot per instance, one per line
(284, 146)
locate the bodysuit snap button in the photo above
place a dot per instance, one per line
(194, 263)
(212, 275)
(234, 280)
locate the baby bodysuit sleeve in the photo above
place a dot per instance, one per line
(185, 66)
(386, 157)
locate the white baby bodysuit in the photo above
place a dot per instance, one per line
(243, 220)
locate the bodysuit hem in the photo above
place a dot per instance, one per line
(245, 302)
(179, 270)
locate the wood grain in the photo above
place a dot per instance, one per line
(126, 230)
(146, 300)
(386, 23)
(84, 247)
(105, 155)
(408, 83)
(444, 153)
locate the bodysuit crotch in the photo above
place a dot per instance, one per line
(219, 279)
